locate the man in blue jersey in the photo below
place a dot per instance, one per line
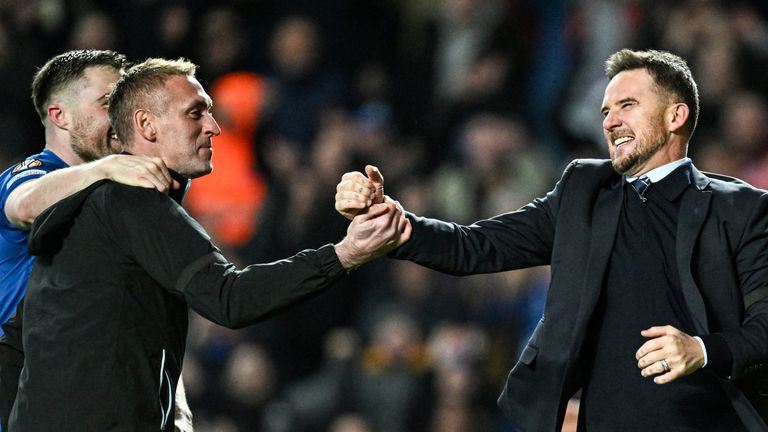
(70, 94)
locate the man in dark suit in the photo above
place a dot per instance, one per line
(658, 304)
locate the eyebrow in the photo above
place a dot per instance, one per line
(200, 102)
(619, 102)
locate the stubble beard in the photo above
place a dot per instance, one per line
(648, 144)
(89, 143)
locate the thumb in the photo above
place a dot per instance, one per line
(375, 177)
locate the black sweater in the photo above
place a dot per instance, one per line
(105, 317)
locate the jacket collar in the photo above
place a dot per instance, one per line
(179, 194)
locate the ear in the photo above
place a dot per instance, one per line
(58, 116)
(677, 116)
(144, 122)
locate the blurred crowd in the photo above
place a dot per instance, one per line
(469, 107)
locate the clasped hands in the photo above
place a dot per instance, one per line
(378, 223)
(668, 354)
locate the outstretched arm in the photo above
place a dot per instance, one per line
(28, 200)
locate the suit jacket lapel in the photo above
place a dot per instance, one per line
(694, 207)
(605, 221)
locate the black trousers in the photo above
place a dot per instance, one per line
(11, 362)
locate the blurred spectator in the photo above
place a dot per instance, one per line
(305, 85)
(314, 403)
(501, 168)
(249, 383)
(222, 46)
(94, 30)
(740, 149)
(227, 202)
(598, 28)
(457, 353)
(350, 423)
(392, 388)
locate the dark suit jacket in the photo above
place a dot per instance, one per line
(722, 255)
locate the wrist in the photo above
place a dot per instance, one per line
(100, 169)
(345, 255)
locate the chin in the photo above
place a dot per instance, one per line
(197, 174)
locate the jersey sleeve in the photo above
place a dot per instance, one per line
(32, 168)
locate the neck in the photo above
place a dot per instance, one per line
(59, 143)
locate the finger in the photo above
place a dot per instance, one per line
(666, 377)
(651, 345)
(652, 357)
(354, 185)
(374, 211)
(352, 196)
(654, 367)
(377, 181)
(657, 331)
(399, 221)
(374, 175)
(155, 178)
(164, 172)
(406, 232)
(353, 176)
(399, 206)
(347, 202)
(356, 190)
(154, 170)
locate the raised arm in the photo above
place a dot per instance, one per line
(28, 200)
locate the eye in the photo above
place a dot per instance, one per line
(195, 114)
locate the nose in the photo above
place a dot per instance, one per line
(611, 121)
(212, 127)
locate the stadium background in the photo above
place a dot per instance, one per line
(470, 108)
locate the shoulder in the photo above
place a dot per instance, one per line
(723, 184)
(590, 172)
(32, 167)
(600, 167)
(117, 197)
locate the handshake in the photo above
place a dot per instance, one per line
(378, 223)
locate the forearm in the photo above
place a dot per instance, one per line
(236, 298)
(503, 243)
(33, 197)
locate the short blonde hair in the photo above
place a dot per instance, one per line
(138, 88)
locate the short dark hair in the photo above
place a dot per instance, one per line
(138, 87)
(65, 69)
(669, 71)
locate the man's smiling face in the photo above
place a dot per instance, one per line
(633, 125)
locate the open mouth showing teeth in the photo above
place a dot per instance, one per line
(619, 141)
